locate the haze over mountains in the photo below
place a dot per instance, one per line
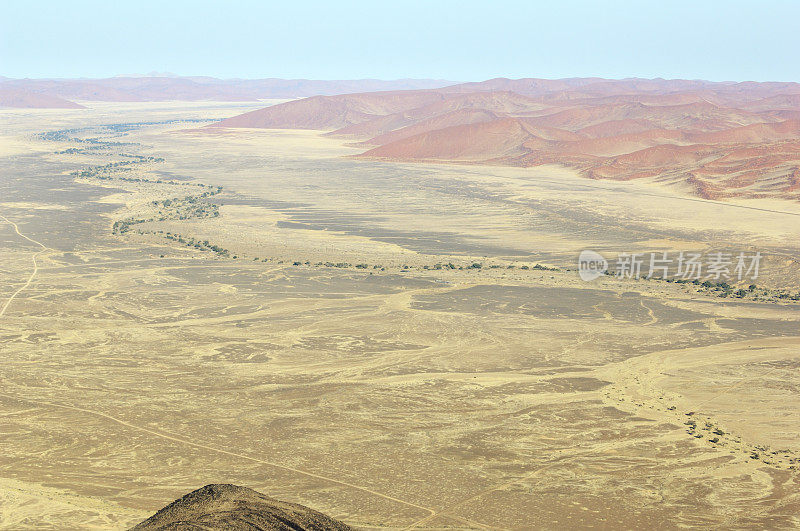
(715, 139)
(43, 92)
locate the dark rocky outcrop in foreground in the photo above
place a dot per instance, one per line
(231, 507)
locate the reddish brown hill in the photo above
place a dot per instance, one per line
(574, 98)
(617, 127)
(450, 119)
(496, 103)
(752, 134)
(503, 102)
(781, 114)
(701, 116)
(627, 143)
(331, 112)
(374, 126)
(480, 141)
(312, 113)
(650, 162)
(550, 133)
(781, 101)
(722, 139)
(31, 100)
(502, 139)
(664, 155)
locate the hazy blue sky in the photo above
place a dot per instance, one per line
(456, 40)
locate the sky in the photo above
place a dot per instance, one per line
(443, 39)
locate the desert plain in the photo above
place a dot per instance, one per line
(398, 345)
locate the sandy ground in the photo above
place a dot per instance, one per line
(137, 369)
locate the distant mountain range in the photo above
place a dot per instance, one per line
(715, 139)
(162, 88)
(25, 99)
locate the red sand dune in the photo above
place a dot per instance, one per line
(479, 141)
(722, 139)
(627, 143)
(701, 116)
(374, 126)
(30, 100)
(499, 103)
(665, 155)
(441, 121)
(624, 126)
(753, 134)
(332, 112)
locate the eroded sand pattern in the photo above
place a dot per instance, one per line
(340, 363)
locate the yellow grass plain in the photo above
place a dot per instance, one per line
(398, 394)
